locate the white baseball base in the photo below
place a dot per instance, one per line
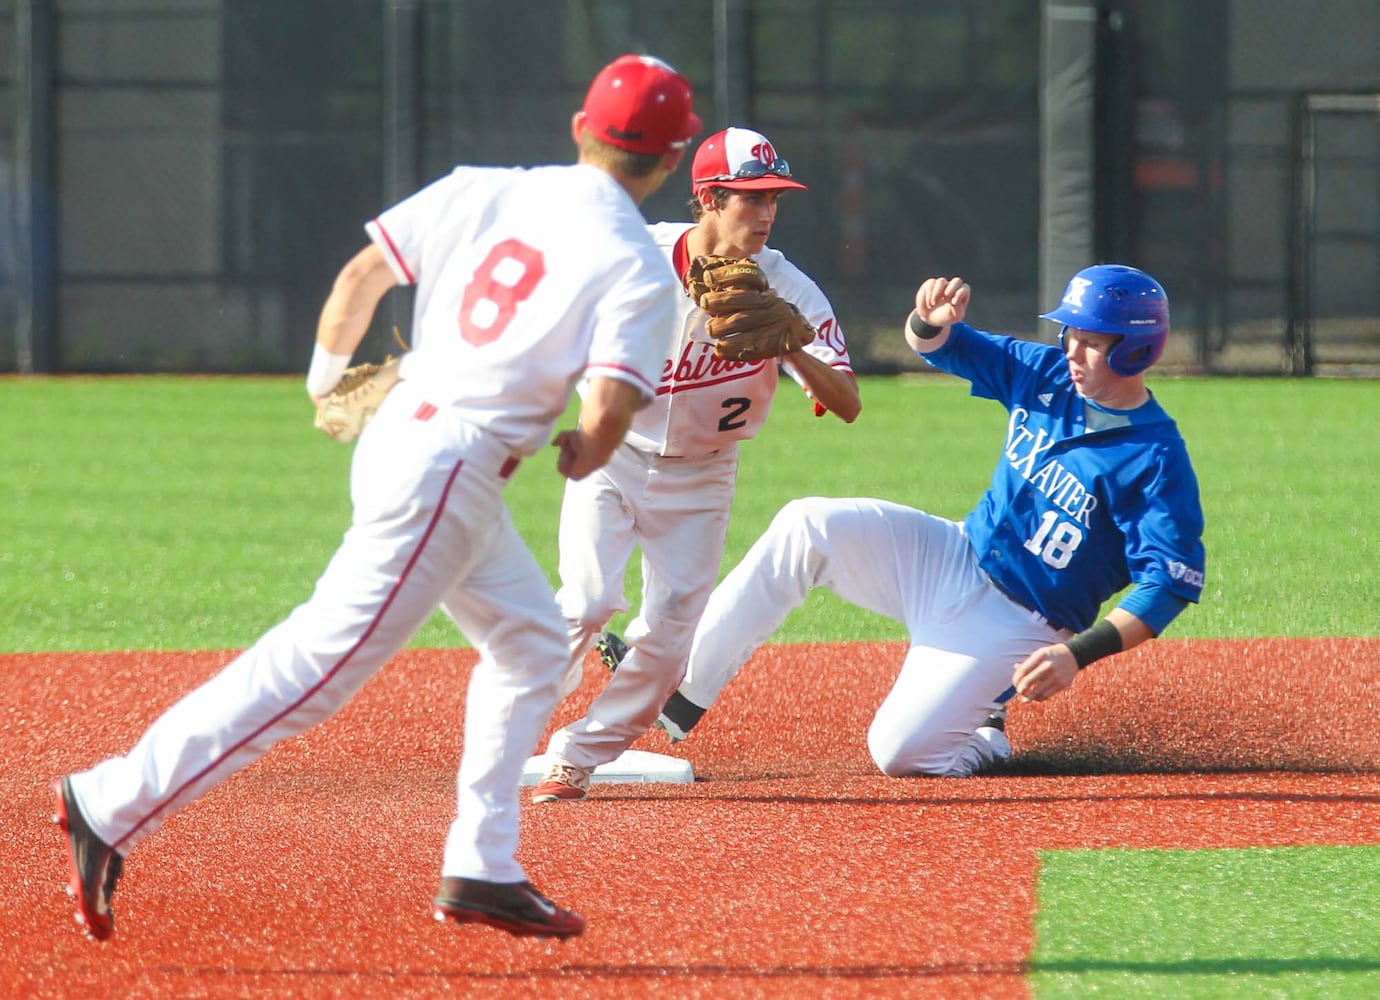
(629, 766)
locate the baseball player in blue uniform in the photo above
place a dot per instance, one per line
(1094, 491)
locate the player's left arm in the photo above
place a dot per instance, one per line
(1051, 669)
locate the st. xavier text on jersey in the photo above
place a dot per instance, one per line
(1024, 447)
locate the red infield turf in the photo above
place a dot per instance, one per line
(790, 868)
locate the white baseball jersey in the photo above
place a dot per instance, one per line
(543, 287)
(703, 404)
(669, 490)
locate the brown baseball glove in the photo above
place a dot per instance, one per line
(355, 398)
(715, 274)
(747, 320)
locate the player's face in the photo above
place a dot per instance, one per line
(746, 219)
(1087, 357)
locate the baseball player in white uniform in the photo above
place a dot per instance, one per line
(669, 487)
(528, 281)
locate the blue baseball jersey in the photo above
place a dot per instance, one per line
(1084, 500)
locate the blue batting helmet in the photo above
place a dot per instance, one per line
(1114, 298)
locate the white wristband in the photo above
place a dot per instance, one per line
(325, 371)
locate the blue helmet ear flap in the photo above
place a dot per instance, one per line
(1131, 357)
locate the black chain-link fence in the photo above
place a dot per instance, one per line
(183, 178)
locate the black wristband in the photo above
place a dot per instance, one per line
(1094, 643)
(923, 330)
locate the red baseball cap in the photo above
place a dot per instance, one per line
(641, 104)
(741, 160)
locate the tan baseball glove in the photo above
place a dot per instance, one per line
(747, 320)
(355, 398)
(716, 274)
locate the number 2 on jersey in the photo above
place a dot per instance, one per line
(1055, 541)
(736, 407)
(489, 304)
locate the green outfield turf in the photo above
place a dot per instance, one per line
(171, 513)
(1283, 922)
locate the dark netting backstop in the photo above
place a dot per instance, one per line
(182, 178)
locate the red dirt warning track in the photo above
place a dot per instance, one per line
(790, 868)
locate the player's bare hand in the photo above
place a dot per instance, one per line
(942, 301)
(574, 461)
(1045, 672)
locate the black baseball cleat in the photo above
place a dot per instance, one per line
(95, 867)
(515, 907)
(611, 649)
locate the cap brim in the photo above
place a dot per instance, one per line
(767, 182)
(693, 127)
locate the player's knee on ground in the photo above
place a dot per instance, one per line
(898, 760)
(934, 753)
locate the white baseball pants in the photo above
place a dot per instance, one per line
(966, 636)
(676, 510)
(429, 529)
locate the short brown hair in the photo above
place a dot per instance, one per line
(596, 150)
(720, 196)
